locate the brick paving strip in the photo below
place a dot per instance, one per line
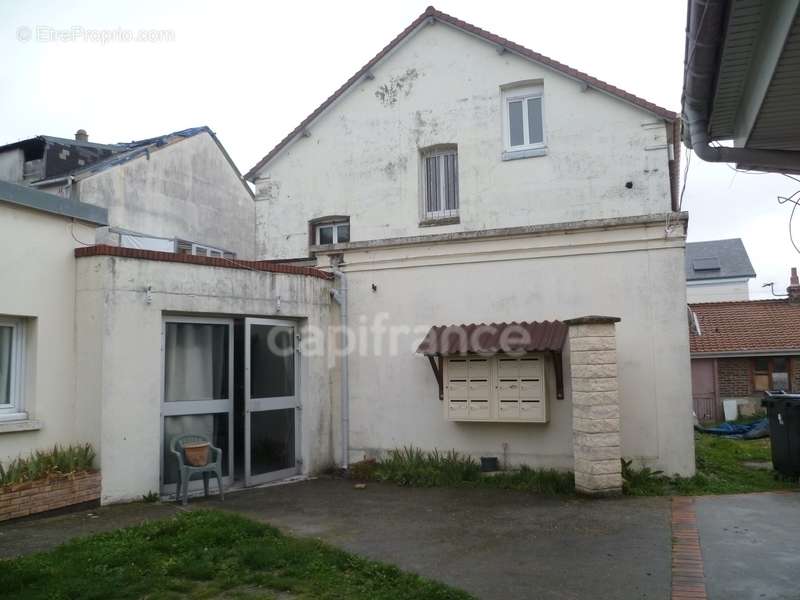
(688, 577)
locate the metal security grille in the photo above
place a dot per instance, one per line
(441, 184)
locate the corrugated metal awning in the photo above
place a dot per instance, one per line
(494, 338)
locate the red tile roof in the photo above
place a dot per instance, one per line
(444, 340)
(756, 325)
(208, 261)
(432, 13)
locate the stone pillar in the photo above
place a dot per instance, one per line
(595, 405)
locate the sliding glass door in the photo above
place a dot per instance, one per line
(197, 393)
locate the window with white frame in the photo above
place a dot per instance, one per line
(185, 247)
(440, 183)
(333, 231)
(523, 121)
(12, 367)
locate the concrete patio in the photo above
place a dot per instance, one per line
(494, 544)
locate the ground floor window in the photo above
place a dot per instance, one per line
(12, 367)
(771, 373)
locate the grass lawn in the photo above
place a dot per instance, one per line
(207, 554)
(719, 471)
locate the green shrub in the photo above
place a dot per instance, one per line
(643, 482)
(410, 466)
(59, 460)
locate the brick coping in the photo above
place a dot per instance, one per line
(49, 493)
(206, 261)
(688, 574)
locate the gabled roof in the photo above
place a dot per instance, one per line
(22, 195)
(502, 43)
(128, 151)
(757, 326)
(717, 259)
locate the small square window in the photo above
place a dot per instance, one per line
(335, 231)
(523, 121)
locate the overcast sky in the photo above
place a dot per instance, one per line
(252, 70)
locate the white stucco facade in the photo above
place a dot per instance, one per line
(581, 227)
(361, 158)
(718, 290)
(186, 189)
(38, 290)
(629, 271)
(119, 349)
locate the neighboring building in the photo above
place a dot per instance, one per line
(741, 349)
(39, 404)
(459, 177)
(174, 193)
(741, 82)
(717, 271)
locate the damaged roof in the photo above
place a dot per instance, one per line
(127, 151)
(757, 326)
(717, 259)
(431, 14)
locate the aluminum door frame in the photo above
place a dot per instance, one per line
(266, 404)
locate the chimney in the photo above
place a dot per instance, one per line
(794, 287)
(81, 136)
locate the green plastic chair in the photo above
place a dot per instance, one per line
(187, 471)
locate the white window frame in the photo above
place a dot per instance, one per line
(15, 409)
(442, 213)
(335, 224)
(210, 251)
(523, 94)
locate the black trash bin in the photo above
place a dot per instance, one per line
(783, 412)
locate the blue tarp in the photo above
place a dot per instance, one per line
(751, 431)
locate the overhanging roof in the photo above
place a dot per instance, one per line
(50, 203)
(741, 82)
(430, 15)
(494, 338)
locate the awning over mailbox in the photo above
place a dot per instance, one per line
(494, 338)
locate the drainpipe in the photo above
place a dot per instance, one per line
(339, 296)
(704, 37)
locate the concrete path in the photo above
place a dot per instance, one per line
(494, 544)
(750, 545)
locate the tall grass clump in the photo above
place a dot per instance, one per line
(414, 467)
(60, 460)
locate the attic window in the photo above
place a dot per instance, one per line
(706, 264)
(523, 121)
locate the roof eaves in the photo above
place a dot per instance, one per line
(432, 14)
(50, 203)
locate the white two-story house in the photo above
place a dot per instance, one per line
(461, 179)
(468, 246)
